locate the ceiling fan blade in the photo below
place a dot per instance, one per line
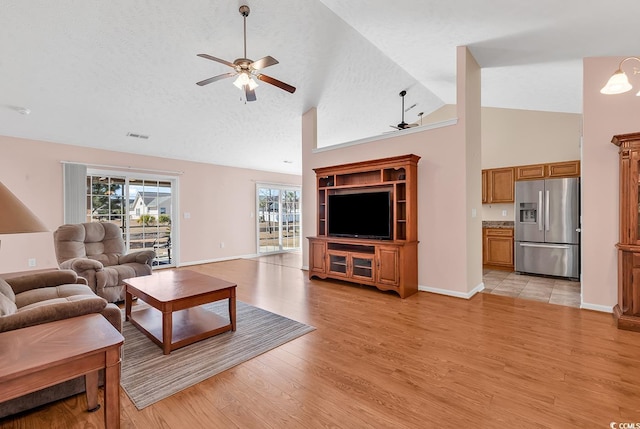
(215, 78)
(276, 82)
(212, 58)
(263, 63)
(249, 93)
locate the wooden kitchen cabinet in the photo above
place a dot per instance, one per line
(550, 170)
(498, 185)
(484, 187)
(497, 248)
(627, 310)
(530, 172)
(563, 169)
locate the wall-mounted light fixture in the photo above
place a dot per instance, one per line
(619, 82)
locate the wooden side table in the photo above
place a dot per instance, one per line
(40, 356)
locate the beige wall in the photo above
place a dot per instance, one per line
(468, 100)
(604, 117)
(220, 200)
(520, 137)
(449, 252)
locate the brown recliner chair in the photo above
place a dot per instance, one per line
(96, 251)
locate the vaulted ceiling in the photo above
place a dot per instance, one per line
(92, 72)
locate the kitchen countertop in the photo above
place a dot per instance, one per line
(497, 224)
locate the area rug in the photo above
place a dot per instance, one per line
(148, 376)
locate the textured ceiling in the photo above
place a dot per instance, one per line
(93, 71)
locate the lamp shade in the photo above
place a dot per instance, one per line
(617, 84)
(241, 81)
(15, 217)
(245, 79)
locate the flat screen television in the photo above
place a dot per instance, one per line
(361, 215)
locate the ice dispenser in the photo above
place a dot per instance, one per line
(528, 212)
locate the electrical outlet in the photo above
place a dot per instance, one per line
(32, 262)
(222, 244)
(504, 213)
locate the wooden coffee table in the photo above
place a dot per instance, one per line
(176, 318)
(44, 355)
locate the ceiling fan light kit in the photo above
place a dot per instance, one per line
(245, 69)
(618, 83)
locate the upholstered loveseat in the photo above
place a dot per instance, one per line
(32, 299)
(96, 251)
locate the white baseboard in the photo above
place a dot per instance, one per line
(208, 261)
(597, 307)
(305, 268)
(453, 293)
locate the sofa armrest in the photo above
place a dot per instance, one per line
(27, 282)
(82, 264)
(57, 310)
(141, 257)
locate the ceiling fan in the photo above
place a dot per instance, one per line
(403, 125)
(247, 69)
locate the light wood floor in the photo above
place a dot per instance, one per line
(377, 361)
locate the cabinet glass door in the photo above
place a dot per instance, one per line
(338, 264)
(362, 267)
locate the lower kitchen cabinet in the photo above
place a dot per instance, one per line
(497, 248)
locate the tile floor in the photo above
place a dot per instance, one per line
(545, 289)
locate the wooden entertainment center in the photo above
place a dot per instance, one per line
(388, 264)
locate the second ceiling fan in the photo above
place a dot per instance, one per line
(403, 125)
(246, 69)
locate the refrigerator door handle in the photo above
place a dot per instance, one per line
(546, 211)
(539, 208)
(546, 246)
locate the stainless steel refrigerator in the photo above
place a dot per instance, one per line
(547, 227)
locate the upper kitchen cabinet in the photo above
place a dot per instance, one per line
(498, 185)
(563, 169)
(548, 171)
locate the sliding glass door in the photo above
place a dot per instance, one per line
(278, 219)
(150, 217)
(141, 206)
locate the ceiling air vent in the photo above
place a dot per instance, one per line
(137, 136)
